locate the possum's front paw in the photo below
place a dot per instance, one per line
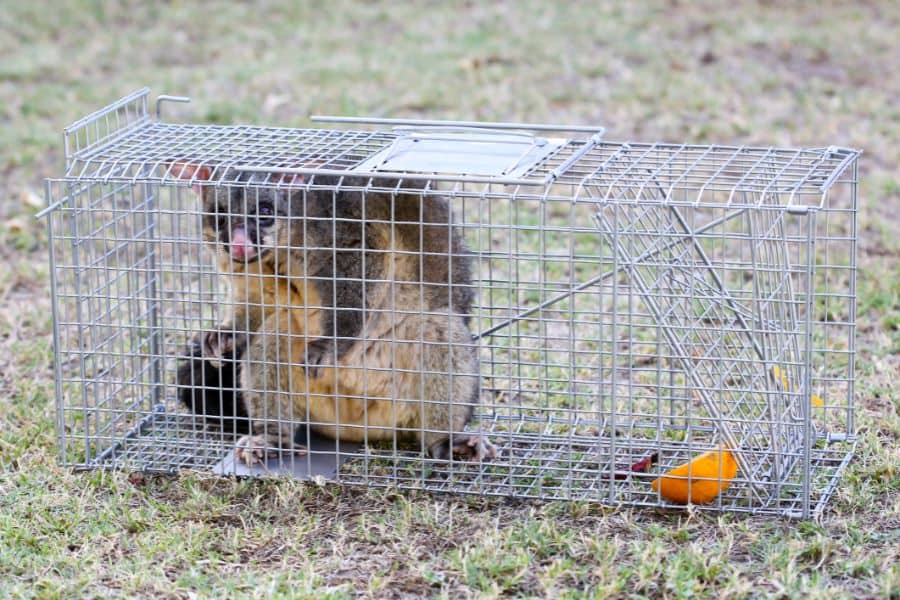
(252, 449)
(221, 346)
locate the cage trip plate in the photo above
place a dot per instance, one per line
(463, 152)
(323, 458)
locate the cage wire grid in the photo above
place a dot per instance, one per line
(628, 300)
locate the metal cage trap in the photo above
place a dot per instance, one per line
(455, 306)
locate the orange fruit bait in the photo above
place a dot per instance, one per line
(703, 478)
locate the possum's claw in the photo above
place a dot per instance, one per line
(252, 449)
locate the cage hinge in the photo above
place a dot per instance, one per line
(585, 148)
(797, 209)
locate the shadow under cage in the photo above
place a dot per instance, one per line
(453, 306)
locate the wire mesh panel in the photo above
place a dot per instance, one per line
(564, 319)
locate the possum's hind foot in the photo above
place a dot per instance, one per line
(252, 449)
(475, 447)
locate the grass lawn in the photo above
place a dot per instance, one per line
(749, 73)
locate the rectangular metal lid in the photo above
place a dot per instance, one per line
(461, 151)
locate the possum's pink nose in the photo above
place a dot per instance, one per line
(241, 246)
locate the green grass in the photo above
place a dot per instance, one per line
(751, 74)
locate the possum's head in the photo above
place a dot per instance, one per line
(245, 219)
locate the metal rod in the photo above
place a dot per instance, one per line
(851, 309)
(806, 384)
(166, 98)
(450, 123)
(50, 208)
(484, 132)
(389, 175)
(57, 348)
(151, 246)
(567, 164)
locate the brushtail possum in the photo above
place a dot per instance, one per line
(350, 310)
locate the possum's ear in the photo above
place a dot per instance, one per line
(287, 178)
(192, 172)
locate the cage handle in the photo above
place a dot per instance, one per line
(475, 124)
(167, 98)
(408, 131)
